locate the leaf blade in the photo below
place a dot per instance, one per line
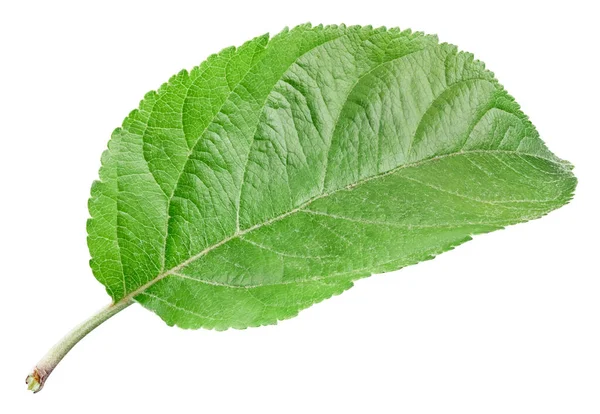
(182, 218)
(401, 238)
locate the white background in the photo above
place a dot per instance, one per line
(508, 323)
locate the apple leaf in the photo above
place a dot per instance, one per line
(275, 174)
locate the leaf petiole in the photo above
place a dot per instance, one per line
(36, 380)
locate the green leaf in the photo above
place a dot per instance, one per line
(274, 175)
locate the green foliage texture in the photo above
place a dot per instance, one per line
(275, 174)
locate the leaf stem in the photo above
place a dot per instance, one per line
(35, 381)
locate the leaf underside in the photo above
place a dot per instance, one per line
(275, 174)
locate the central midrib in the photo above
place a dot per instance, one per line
(198, 139)
(303, 206)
